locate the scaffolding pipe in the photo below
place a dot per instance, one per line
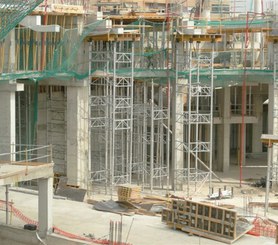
(189, 123)
(112, 149)
(145, 92)
(7, 204)
(152, 137)
(243, 103)
(89, 112)
(131, 113)
(197, 112)
(269, 162)
(211, 115)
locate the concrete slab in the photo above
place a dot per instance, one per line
(79, 218)
(13, 173)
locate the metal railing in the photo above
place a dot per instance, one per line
(16, 153)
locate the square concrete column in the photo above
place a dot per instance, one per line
(178, 101)
(223, 146)
(45, 206)
(77, 135)
(8, 116)
(257, 127)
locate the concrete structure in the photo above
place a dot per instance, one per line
(153, 98)
(13, 173)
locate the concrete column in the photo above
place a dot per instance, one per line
(257, 127)
(177, 119)
(178, 127)
(77, 135)
(8, 116)
(45, 206)
(223, 154)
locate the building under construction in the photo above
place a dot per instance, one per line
(161, 94)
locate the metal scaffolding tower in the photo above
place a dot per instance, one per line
(194, 117)
(111, 109)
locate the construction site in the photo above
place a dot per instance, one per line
(148, 122)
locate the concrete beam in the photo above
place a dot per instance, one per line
(11, 86)
(11, 173)
(72, 82)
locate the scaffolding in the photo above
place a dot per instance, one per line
(194, 108)
(138, 65)
(111, 109)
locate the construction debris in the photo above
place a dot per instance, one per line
(221, 194)
(113, 207)
(70, 192)
(205, 220)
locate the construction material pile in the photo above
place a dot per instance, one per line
(205, 220)
(129, 192)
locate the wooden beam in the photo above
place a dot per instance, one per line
(198, 37)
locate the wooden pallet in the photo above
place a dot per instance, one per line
(129, 192)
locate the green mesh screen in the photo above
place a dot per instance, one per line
(13, 11)
(64, 60)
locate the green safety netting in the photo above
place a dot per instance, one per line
(233, 24)
(64, 60)
(12, 12)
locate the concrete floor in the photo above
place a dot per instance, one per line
(79, 218)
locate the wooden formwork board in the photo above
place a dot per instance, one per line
(205, 220)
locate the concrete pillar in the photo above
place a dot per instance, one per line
(8, 116)
(178, 128)
(77, 135)
(178, 99)
(223, 154)
(45, 206)
(257, 127)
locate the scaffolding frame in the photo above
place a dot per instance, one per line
(111, 110)
(193, 118)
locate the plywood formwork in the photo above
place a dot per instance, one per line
(205, 220)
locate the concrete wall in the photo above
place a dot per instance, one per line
(16, 236)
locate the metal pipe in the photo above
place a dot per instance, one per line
(152, 137)
(189, 115)
(211, 115)
(131, 112)
(197, 113)
(7, 204)
(269, 160)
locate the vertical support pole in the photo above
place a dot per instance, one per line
(211, 116)
(173, 170)
(7, 204)
(112, 148)
(45, 206)
(269, 161)
(189, 123)
(131, 111)
(144, 167)
(89, 115)
(152, 137)
(197, 113)
(168, 126)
